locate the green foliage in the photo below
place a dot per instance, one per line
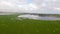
(9, 24)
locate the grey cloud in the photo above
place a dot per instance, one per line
(49, 3)
(44, 6)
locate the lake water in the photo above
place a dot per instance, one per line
(36, 17)
(48, 18)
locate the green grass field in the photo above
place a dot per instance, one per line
(11, 25)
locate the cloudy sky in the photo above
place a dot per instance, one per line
(34, 6)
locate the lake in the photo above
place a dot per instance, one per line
(48, 18)
(36, 17)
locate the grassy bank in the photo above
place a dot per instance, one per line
(11, 25)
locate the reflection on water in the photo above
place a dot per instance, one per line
(36, 17)
(49, 18)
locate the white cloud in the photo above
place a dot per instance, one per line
(36, 5)
(28, 7)
(58, 9)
